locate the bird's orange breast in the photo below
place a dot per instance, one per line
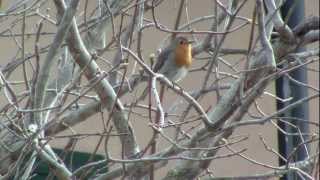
(183, 55)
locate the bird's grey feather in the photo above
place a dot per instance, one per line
(163, 56)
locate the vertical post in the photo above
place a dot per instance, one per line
(293, 12)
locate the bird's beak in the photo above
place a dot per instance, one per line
(190, 41)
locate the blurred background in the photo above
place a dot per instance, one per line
(151, 41)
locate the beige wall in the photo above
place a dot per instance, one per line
(230, 166)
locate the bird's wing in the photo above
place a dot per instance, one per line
(163, 56)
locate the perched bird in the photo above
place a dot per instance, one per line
(174, 61)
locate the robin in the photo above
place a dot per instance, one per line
(174, 61)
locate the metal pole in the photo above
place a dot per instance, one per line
(293, 12)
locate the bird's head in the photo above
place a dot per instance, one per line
(181, 42)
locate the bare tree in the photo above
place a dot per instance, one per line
(74, 77)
